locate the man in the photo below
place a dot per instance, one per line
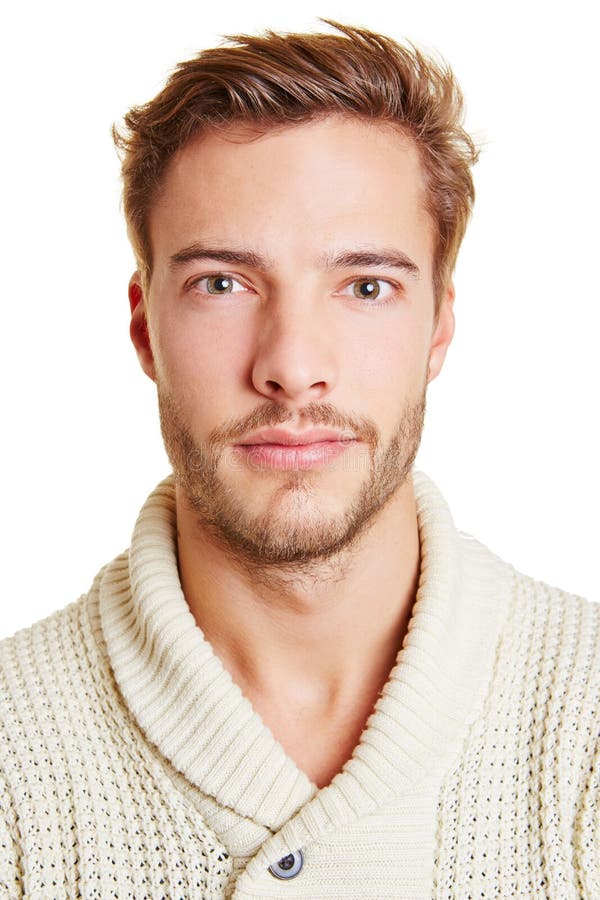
(300, 680)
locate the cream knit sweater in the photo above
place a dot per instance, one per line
(131, 766)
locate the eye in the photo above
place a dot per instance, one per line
(218, 284)
(371, 289)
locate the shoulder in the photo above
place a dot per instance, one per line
(546, 682)
(561, 618)
(43, 653)
(59, 706)
(558, 634)
(562, 628)
(536, 621)
(42, 680)
(546, 669)
(530, 764)
(52, 675)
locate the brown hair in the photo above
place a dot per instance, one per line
(275, 79)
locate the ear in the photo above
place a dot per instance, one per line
(138, 327)
(443, 333)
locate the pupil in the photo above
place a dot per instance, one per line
(287, 862)
(219, 285)
(366, 289)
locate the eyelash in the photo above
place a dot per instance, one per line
(395, 289)
(224, 275)
(394, 286)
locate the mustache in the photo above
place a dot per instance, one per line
(271, 414)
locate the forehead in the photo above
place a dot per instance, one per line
(336, 179)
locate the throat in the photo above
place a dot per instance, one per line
(320, 742)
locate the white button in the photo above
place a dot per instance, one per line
(288, 866)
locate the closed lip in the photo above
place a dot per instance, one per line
(295, 438)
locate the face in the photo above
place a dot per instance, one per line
(289, 327)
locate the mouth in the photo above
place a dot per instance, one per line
(277, 448)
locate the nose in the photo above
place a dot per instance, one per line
(295, 358)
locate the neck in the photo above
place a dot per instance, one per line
(317, 635)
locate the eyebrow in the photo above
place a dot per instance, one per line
(393, 259)
(390, 258)
(196, 252)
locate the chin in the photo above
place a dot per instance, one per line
(295, 526)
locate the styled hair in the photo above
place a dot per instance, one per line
(277, 79)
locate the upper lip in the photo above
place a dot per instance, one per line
(281, 436)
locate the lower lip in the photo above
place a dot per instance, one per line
(293, 456)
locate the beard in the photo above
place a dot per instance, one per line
(300, 535)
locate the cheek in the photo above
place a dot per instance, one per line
(199, 361)
(388, 364)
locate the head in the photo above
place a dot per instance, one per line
(295, 204)
(276, 80)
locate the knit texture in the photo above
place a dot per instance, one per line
(132, 766)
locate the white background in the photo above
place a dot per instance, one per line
(511, 435)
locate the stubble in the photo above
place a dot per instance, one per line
(305, 539)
